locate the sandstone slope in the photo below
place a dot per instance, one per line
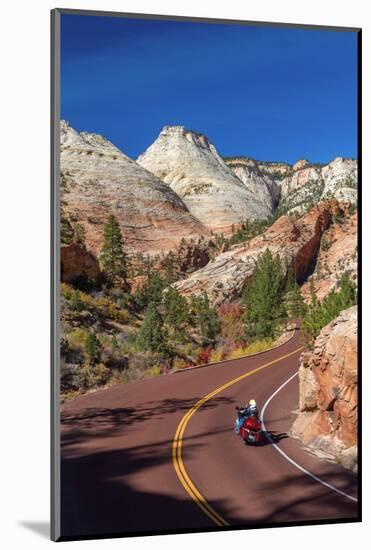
(97, 180)
(297, 241)
(327, 419)
(192, 167)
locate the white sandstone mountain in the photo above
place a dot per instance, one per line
(97, 180)
(192, 167)
(181, 187)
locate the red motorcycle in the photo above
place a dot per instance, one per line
(250, 430)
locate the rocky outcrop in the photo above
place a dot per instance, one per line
(327, 418)
(296, 241)
(300, 164)
(192, 167)
(260, 183)
(77, 262)
(341, 180)
(308, 184)
(302, 174)
(192, 257)
(337, 255)
(97, 180)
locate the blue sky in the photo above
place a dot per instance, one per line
(265, 92)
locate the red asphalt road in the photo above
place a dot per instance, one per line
(117, 473)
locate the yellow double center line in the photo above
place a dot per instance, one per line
(178, 464)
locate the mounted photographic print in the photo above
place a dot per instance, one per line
(205, 187)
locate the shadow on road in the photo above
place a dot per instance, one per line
(101, 495)
(297, 497)
(106, 491)
(274, 437)
(108, 487)
(95, 421)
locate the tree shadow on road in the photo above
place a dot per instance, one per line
(106, 421)
(297, 497)
(108, 492)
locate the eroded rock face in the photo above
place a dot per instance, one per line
(327, 419)
(77, 262)
(98, 180)
(307, 184)
(301, 176)
(341, 179)
(295, 240)
(337, 255)
(261, 184)
(192, 167)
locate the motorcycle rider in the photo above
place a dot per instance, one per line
(250, 409)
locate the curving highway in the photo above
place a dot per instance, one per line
(161, 454)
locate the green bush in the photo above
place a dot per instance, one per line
(104, 307)
(319, 314)
(93, 349)
(88, 377)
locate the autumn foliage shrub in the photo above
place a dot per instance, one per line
(255, 347)
(259, 346)
(217, 355)
(179, 363)
(204, 355)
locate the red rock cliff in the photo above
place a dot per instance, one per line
(328, 405)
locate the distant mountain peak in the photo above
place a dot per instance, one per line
(99, 180)
(191, 165)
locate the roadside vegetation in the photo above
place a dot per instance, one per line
(122, 330)
(318, 314)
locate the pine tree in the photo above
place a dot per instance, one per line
(152, 336)
(290, 277)
(156, 287)
(263, 298)
(169, 264)
(112, 257)
(176, 312)
(313, 320)
(296, 308)
(348, 291)
(206, 318)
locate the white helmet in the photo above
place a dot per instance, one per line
(252, 403)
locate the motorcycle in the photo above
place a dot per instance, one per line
(249, 428)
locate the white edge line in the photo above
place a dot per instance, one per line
(328, 485)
